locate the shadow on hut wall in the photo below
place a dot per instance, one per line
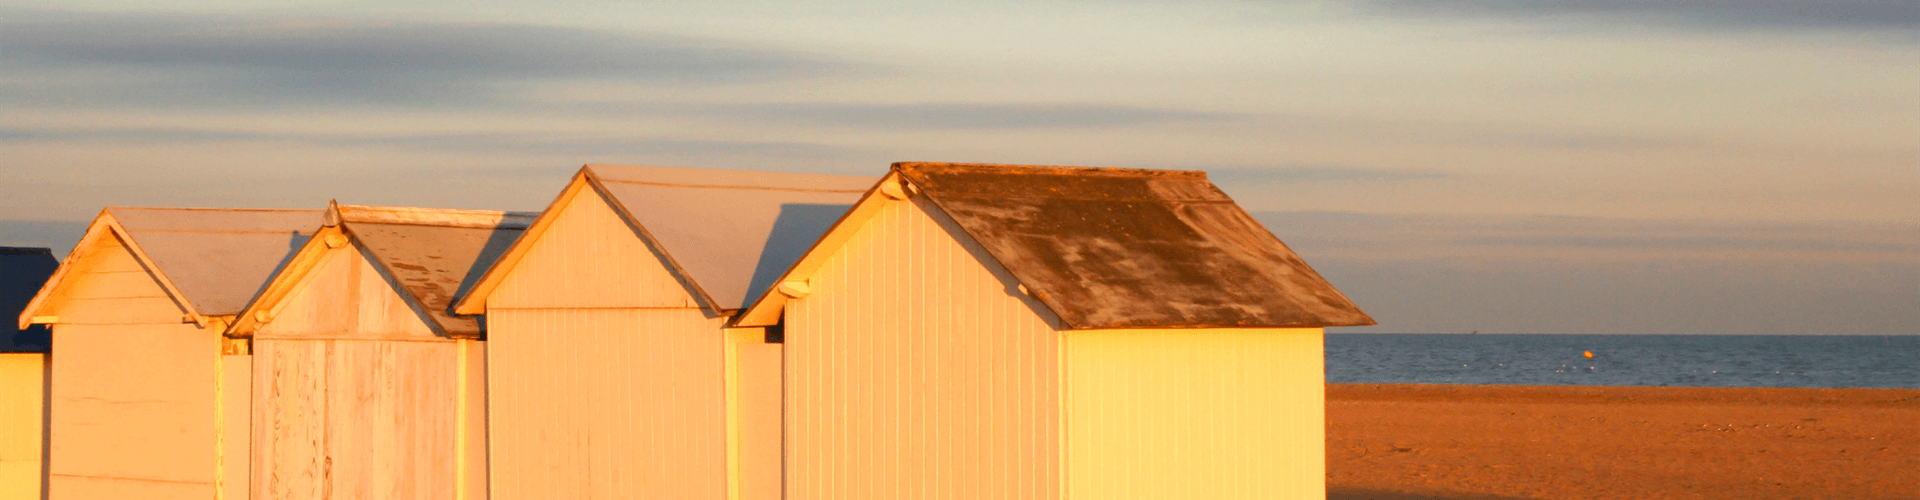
(794, 231)
(1338, 493)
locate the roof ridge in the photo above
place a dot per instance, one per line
(1063, 170)
(439, 217)
(732, 186)
(206, 209)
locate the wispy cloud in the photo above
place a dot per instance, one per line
(942, 116)
(178, 59)
(1316, 174)
(1850, 15)
(1406, 237)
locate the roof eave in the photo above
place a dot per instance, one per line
(273, 296)
(765, 310)
(105, 223)
(474, 302)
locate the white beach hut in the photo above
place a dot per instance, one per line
(1017, 332)
(23, 381)
(149, 399)
(365, 386)
(610, 370)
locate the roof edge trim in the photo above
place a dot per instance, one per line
(106, 224)
(765, 309)
(653, 244)
(474, 302)
(283, 283)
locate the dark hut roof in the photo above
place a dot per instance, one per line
(22, 271)
(1129, 248)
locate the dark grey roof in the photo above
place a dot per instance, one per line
(22, 271)
(1127, 248)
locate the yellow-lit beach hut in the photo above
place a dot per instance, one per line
(365, 386)
(610, 371)
(1020, 332)
(23, 381)
(149, 398)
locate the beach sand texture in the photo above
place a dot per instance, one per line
(1399, 442)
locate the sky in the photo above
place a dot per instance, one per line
(1501, 166)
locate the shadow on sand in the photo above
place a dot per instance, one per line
(1336, 493)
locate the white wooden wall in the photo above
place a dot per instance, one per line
(354, 419)
(135, 390)
(1195, 413)
(354, 395)
(605, 381)
(914, 372)
(134, 412)
(23, 393)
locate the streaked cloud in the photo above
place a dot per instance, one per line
(1432, 273)
(968, 115)
(1404, 237)
(1851, 15)
(1256, 176)
(553, 144)
(168, 59)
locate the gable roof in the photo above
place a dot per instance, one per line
(431, 255)
(729, 233)
(1118, 248)
(212, 261)
(22, 272)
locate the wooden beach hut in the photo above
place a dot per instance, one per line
(610, 370)
(149, 397)
(23, 381)
(365, 386)
(1020, 332)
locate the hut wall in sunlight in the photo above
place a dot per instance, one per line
(611, 368)
(148, 396)
(361, 389)
(1072, 333)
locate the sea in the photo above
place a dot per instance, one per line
(1860, 361)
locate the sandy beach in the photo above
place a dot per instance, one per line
(1396, 442)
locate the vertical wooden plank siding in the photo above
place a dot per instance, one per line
(356, 396)
(133, 411)
(289, 419)
(915, 372)
(236, 431)
(1203, 413)
(606, 404)
(23, 392)
(604, 381)
(473, 417)
(390, 419)
(759, 407)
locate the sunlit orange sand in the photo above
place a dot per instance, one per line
(1486, 442)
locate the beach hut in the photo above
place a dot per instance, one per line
(149, 398)
(23, 381)
(365, 386)
(1021, 332)
(610, 371)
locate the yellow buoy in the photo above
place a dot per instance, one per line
(1588, 353)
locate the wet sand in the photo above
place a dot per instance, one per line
(1399, 442)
